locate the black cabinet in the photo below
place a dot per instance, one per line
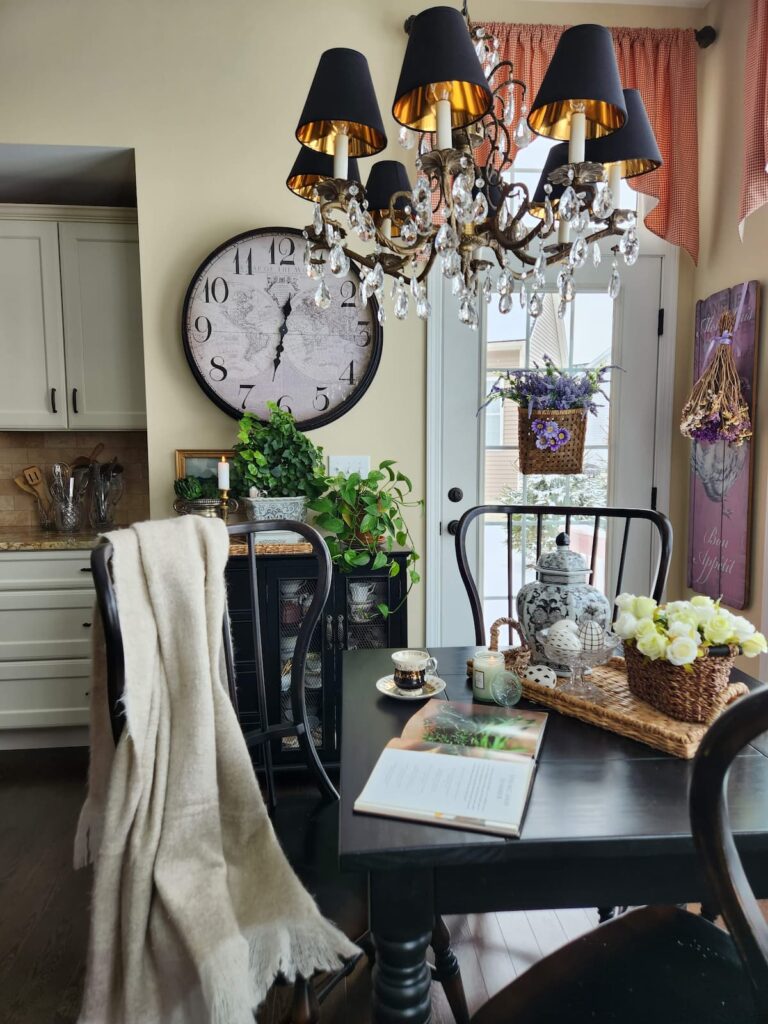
(350, 620)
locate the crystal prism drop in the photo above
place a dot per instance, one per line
(562, 306)
(322, 296)
(317, 219)
(580, 222)
(506, 283)
(603, 204)
(421, 191)
(480, 208)
(568, 206)
(354, 214)
(523, 136)
(313, 269)
(408, 232)
(468, 310)
(536, 305)
(330, 233)
(508, 116)
(381, 316)
(423, 305)
(457, 285)
(446, 238)
(523, 296)
(629, 247)
(406, 137)
(578, 254)
(487, 289)
(338, 261)
(570, 289)
(596, 254)
(424, 144)
(401, 302)
(367, 229)
(451, 263)
(505, 303)
(614, 284)
(377, 277)
(549, 216)
(503, 216)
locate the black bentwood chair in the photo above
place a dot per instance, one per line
(306, 827)
(663, 964)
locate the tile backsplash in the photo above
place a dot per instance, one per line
(19, 449)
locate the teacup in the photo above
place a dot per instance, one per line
(361, 592)
(411, 668)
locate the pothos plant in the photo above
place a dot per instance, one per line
(276, 458)
(362, 517)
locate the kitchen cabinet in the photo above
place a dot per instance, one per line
(71, 343)
(350, 620)
(46, 616)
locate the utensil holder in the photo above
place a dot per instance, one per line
(68, 514)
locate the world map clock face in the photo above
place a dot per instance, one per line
(253, 334)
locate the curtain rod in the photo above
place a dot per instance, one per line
(704, 36)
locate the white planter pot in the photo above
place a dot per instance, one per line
(260, 509)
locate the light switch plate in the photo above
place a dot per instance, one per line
(347, 464)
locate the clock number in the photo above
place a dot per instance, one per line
(248, 388)
(363, 337)
(219, 369)
(248, 262)
(218, 290)
(320, 397)
(348, 375)
(203, 326)
(285, 408)
(350, 288)
(286, 247)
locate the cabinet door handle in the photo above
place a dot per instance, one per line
(54, 410)
(341, 637)
(74, 400)
(86, 568)
(329, 631)
(87, 625)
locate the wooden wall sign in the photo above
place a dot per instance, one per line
(719, 529)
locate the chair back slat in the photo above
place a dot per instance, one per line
(566, 515)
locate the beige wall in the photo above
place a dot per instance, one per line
(208, 94)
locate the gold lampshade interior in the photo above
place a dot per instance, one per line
(554, 119)
(303, 184)
(418, 109)
(321, 136)
(633, 168)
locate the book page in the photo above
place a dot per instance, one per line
(475, 792)
(479, 730)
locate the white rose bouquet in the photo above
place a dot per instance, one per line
(681, 631)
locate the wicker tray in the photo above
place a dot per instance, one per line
(623, 713)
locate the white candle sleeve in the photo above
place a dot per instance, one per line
(578, 137)
(340, 156)
(614, 181)
(444, 129)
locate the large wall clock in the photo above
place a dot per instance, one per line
(253, 334)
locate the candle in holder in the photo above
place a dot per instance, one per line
(223, 473)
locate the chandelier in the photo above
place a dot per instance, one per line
(465, 112)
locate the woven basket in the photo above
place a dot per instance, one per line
(565, 460)
(694, 696)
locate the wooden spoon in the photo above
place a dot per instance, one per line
(36, 481)
(83, 460)
(22, 484)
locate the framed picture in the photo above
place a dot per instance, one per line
(198, 461)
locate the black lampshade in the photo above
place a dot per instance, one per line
(342, 92)
(386, 178)
(583, 69)
(310, 167)
(556, 157)
(440, 53)
(634, 145)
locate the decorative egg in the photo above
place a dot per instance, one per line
(591, 635)
(564, 643)
(541, 674)
(563, 626)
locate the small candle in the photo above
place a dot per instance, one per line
(563, 232)
(578, 136)
(223, 472)
(386, 227)
(614, 181)
(341, 155)
(444, 129)
(485, 665)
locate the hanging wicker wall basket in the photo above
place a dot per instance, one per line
(551, 440)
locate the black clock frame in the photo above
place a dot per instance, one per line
(316, 421)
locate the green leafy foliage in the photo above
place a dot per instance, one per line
(275, 457)
(362, 517)
(190, 488)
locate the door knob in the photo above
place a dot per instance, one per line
(455, 494)
(453, 527)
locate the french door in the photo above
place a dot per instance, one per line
(473, 457)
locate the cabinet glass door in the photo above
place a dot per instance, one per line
(363, 625)
(294, 596)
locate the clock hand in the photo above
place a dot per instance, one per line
(282, 331)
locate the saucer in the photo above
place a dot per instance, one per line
(432, 686)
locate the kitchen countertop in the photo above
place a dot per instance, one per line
(30, 538)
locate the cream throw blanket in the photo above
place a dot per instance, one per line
(195, 908)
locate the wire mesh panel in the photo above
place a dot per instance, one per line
(295, 596)
(366, 626)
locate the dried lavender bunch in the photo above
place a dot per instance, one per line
(716, 410)
(549, 387)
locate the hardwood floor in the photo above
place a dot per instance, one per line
(44, 911)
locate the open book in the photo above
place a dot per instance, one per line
(463, 765)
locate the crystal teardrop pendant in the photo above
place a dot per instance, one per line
(523, 296)
(317, 219)
(421, 191)
(562, 306)
(506, 282)
(338, 261)
(354, 214)
(503, 216)
(614, 284)
(603, 204)
(549, 216)
(408, 232)
(457, 285)
(508, 116)
(377, 277)
(523, 136)
(536, 305)
(487, 289)
(468, 310)
(596, 255)
(322, 296)
(568, 207)
(401, 301)
(381, 316)
(580, 222)
(330, 233)
(505, 303)
(423, 305)
(629, 247)
(446, 238)
(577, 257)
(451, 263)
(406, 137)
(480, 208)
(313, 269)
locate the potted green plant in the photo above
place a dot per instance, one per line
(275, 467)
(197, 495)
(362, 517)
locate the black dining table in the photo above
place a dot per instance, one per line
(606, 825)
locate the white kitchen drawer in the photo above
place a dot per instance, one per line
(38, 570)
(43, 694)
(45, 624)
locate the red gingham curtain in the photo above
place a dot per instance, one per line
(754, 173)
(661, 63)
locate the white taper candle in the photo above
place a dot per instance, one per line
(223, 474)
(578, 137)
(340, 155)
(444, 129)
(614, 181)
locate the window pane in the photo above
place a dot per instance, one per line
(592, 328)
(505, 326)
